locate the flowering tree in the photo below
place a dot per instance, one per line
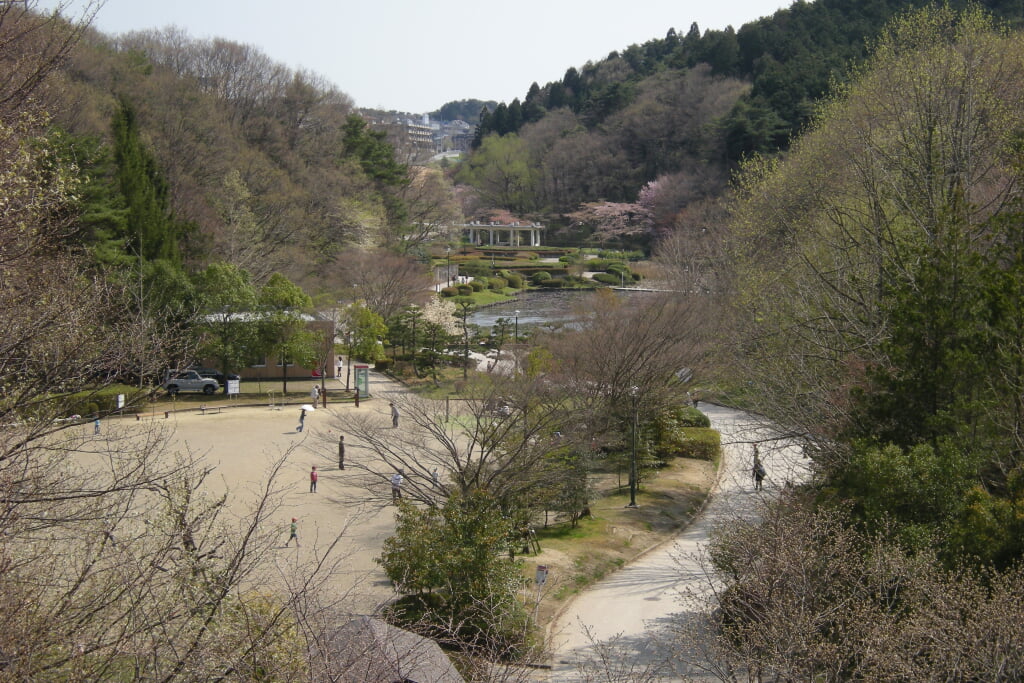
(613, 220)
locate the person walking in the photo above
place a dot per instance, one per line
(314, 395)
(396, 485)
(435, 478)
(757, 471)
(313, 477)
(302, 420)
(293, 533)
(341, 452)
(394, 416)
(96, 426)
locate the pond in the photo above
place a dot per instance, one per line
(540, 308)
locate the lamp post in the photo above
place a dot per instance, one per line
(448, 266)
(635, 393)
(517, 328)
(348, 375)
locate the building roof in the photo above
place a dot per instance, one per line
(373, 650)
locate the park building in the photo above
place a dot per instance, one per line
(495, 234)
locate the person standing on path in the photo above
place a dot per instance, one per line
(313, 477)
(293, 533)
(757, 471)
(302, 420)
(96, 426)
(396, 486)
(394, 416)
(341, 452)
(314, 395)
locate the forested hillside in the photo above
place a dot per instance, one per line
(660, 126)
(251, 163)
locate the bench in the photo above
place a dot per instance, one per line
(210, 409)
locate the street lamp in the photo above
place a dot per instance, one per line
(448, 266)
(635, 393)
(517, 327)
(348, 375)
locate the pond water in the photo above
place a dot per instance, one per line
(541, 308)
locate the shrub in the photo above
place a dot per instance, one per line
(475, 268)
(540, 276)
(607, 279)
(383, 364)
(478, 284)
(464, 289)
(551, 282)
(515, 280)
(497, 283)
(701, 443)
(691, 417)
(449, 292)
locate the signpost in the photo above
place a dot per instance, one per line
(540, 578)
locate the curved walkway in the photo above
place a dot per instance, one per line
(616, 622)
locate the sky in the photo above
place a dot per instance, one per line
(416, 56)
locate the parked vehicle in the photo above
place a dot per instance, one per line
(190, 380)
(216, 374)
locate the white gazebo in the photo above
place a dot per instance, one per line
(502, 234)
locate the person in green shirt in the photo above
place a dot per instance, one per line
(294, 533)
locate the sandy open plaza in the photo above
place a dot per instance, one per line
(242, 442)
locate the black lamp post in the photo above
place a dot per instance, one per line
(517, 327)
(634, 392)
(448, 266)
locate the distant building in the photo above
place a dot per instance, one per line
(266, 367)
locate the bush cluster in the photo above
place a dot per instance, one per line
(701, 443)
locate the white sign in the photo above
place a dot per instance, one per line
(542, 575)
(233, 389)
(120, 401)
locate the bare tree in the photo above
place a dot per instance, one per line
(628, 350)
(801, 594)
(386, 281)
(430, 201)
(33, 45)
(498, 436)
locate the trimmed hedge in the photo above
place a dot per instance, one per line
(701, 443)
(540, 276)
(689, 416)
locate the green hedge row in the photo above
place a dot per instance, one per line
(701, 443)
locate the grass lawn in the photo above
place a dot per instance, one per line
(613, 535)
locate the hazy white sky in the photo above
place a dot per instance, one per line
(416, 56)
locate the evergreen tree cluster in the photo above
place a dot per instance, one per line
(790, 58)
